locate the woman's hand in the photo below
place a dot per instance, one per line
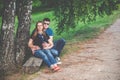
(33, 48)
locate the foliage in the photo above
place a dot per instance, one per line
(1, 6)
(39, 16)
(36, 3)
(100, 22)
(70, 11)
(49, 3)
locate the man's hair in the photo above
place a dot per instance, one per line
(46, 19)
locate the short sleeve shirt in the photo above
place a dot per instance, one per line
(39, 39)
(49, 32)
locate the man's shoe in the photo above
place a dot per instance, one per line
(58, 60)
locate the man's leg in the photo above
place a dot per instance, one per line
(58, 45)
(54, 52)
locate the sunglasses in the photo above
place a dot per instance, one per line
(47, 23)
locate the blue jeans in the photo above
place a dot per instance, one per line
(58, 45)
(46, 55)
(54, 52)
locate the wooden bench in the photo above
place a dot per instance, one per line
(32, 65)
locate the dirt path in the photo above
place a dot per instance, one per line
(98, 60)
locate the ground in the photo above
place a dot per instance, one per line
(97, 59)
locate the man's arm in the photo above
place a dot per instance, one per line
(50, 44)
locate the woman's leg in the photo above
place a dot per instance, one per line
(50, 56)
(42, 55)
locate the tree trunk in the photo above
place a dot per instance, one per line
(7, 37)
(22, 36)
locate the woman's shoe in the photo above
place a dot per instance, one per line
(58, 60)
(56, 68)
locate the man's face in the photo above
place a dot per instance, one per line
(46, 24)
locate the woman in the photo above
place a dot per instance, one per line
(40, 47)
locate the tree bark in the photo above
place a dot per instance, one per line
(22, 36)
(7, 37)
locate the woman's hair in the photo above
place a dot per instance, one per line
(35, 30)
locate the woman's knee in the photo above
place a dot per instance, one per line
(40, 54)
(47, 52)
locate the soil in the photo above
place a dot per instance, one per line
(98, 59)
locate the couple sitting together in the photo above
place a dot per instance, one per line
(42, 45)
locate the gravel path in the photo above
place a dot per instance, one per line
(99, 59)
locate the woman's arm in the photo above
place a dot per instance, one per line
(30, 43)
(33, 47)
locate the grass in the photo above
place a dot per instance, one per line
(81, 31)
(39, 17)
(85, 32)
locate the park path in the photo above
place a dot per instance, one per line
(98, 59)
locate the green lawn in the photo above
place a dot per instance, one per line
(81, 31)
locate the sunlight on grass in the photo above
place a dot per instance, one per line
(39, 17)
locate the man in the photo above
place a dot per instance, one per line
(59, 44)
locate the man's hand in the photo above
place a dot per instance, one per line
(45, 45)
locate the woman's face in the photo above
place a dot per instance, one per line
(39, 26)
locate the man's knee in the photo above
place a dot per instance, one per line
(62, 40)
(54, 52)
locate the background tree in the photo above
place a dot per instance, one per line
(48, 3)
(1, 6)
(7, 62)
(22, 35)
(69, 12)
(13, 47)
